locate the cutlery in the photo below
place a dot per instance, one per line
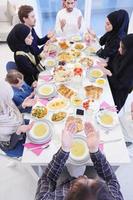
(110, 141)
(39, 147)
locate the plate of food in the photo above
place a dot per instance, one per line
(79, 151)
(46, 90)
(65, 91)
(101, 82)
(79, 46)
(88, 62)
(76, 38)
(51, 50)
(64, 44)
(49, 63)
(61, 74)
(78, 121)
(93, 92)
(39, 112)
(58, 116)
(76, 53)
(41, 132)
(90, 51)
(107, 118)
(65, 56)
(96, 73)
(76, 100)
(58, 104)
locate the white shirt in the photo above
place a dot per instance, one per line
(71, 27)
(130, 27)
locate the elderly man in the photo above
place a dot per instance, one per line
(69, 20)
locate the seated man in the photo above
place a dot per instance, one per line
(27, 16)
(69, 20)
(104, 188)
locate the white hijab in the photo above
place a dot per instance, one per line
(10, 117)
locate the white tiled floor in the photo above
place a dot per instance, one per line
(21, 183)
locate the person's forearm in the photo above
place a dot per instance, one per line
(102, 166)
(42, 41)
(56, 166)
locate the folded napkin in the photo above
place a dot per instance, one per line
(36, 148)
(46, 78)
(106, 106)
(43, 101)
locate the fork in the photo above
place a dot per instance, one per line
(40, 147)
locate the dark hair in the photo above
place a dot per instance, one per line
(97, 190)
(13, 76)
(24, 12)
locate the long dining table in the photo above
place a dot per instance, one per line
(112, 139)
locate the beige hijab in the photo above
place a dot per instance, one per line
(10, 117)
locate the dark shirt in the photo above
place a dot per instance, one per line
(27, 68)
(110, 49)
(47, 189)
(20, 94)
(36, 42)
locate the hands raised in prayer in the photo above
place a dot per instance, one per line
(79, 21)
(93, 138)
(67, 135)
(62, 24)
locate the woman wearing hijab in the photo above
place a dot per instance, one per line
(11, 120)
(116, 27)
(19, 41)
(121, 81)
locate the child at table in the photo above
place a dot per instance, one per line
(23, 93)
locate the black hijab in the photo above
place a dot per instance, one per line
(122, 66)
(121, 81)
(123, 62)
(17, 36)
(119, 20)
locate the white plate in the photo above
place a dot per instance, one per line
(81, 140)
(39, 123)
(43, 139)
(76, 38)
(98, 71)
(102, 80)
(61, 121)
(50, 63)
(110, 115)
(78, 49)
(56, 100)
(51, 93)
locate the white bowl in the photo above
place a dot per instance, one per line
(80, 140)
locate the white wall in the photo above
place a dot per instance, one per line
(34, 4)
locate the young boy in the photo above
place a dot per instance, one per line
(23, 93)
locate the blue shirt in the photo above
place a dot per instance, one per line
(20, 94)
(36, 42)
